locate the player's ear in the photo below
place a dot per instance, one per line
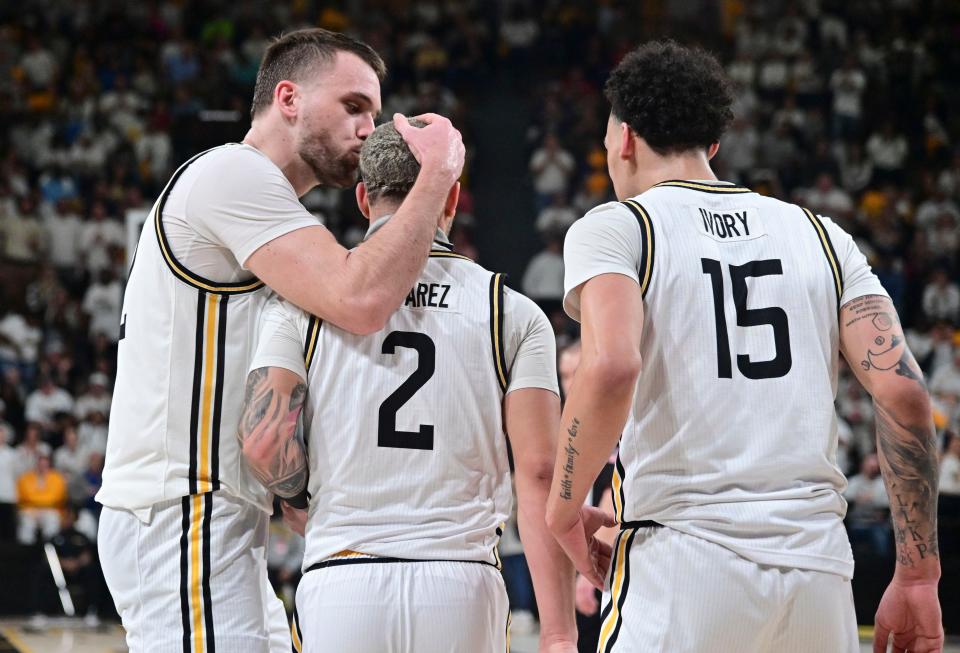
(628, 141)
(286, 95)
(363, 200)
(450, 207)
(712, 150)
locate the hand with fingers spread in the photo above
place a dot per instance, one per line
(438, 146)
(911, 613)
(589, 555)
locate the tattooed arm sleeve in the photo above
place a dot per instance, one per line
(872, 341)
(268, 424)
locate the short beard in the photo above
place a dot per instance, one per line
(329, 168)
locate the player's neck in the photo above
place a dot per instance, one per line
(279, 148)
(657, 169)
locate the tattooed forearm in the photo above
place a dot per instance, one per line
(267, 431)
(908, 459)
(566, 483)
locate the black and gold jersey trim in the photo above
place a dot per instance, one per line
(704, 187)
(829, 252)
(619, 497)
(181, 272)
(496, 328)
(310, 342)
(385, 560)
(206, 401)
(444, 254)
(612, 618)
(296, 635)
(647, 243)
(196, 605)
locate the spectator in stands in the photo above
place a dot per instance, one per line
(888, 152)
(941, 298)
(85, 486)
(41, 497)
(937, 204)
(96, 399)
(29, 450)
(102, 305)
(92, 432)
(551, 167)
(738, 149)
(22, 235)
(543, 278)
(869, 507)
(558, 216)
(825, 198)
(80, 566)
(856, 169)
(100, 236)
(848, 84)
(70, 458)
(8, 484)
(20, 339)
(46, 402)
(945, 380)
(950, 466)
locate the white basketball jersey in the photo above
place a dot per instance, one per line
(404, 428)
(732, 435)
(184, 348)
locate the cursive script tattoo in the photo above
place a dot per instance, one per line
(267, 432)
(566, 483)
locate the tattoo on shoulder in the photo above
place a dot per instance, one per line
(566, 483)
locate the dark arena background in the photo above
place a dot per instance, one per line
(847, 107)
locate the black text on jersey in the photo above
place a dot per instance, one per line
(725, 225)
(428, 294)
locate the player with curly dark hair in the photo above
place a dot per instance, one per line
(675, 98)
(737, 308)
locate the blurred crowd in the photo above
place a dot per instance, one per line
(840, 106)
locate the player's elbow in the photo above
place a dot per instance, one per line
(365, 315)
(537, 472)
(906, 399)
(615, 370)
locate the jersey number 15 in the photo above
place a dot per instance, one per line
(773, 316)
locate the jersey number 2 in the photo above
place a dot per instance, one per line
(387, 433)
(773, 316)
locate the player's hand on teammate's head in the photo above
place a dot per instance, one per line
(295, 518)
(438, 146)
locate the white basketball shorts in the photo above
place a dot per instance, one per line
(679, 593)
(375, 605)
(194, 578)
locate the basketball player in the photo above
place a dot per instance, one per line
(406, 433)
(736, 308)
(184, 524)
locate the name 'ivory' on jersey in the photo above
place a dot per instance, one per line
(407, 452)
(732, 435)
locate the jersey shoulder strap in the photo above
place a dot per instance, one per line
(645, 269)
(828, 251)
(496, 328)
